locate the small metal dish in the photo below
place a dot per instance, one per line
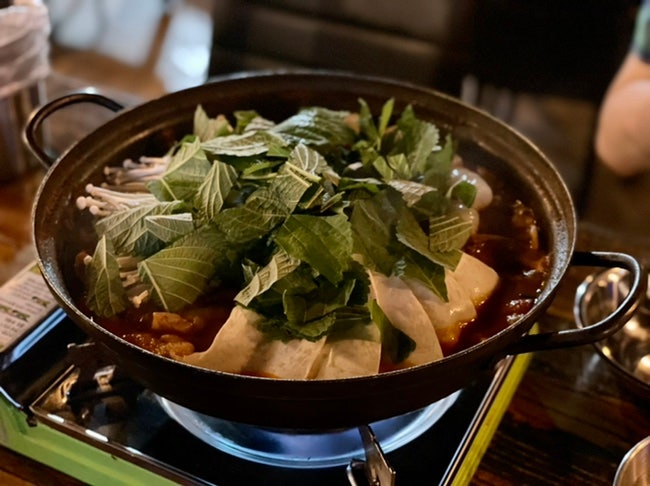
(634, 469)
(628, 349)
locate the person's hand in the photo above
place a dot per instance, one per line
(623, 132)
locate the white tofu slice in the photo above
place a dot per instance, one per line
(446, 317)
(293, 360)
(354, 352)
(476, 278)
(467, 287)
(233, 346)
(406, 313)
(240, 347)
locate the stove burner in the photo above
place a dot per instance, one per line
(71, 396)
(304, 450)
(99, 385)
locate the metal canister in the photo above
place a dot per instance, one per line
(15, 159)
(24, 64)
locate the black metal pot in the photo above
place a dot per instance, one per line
(152, 127)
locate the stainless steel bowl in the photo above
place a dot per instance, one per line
(634, 469)
(628, 349)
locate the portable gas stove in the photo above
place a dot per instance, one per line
(64, 406)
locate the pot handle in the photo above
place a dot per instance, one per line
(606, 326)
(39, 115)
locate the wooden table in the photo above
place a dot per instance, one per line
(569, 423)
(16, 251)
(571, 420)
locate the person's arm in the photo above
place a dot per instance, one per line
(623, 131)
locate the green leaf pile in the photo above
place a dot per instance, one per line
(291, 214)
